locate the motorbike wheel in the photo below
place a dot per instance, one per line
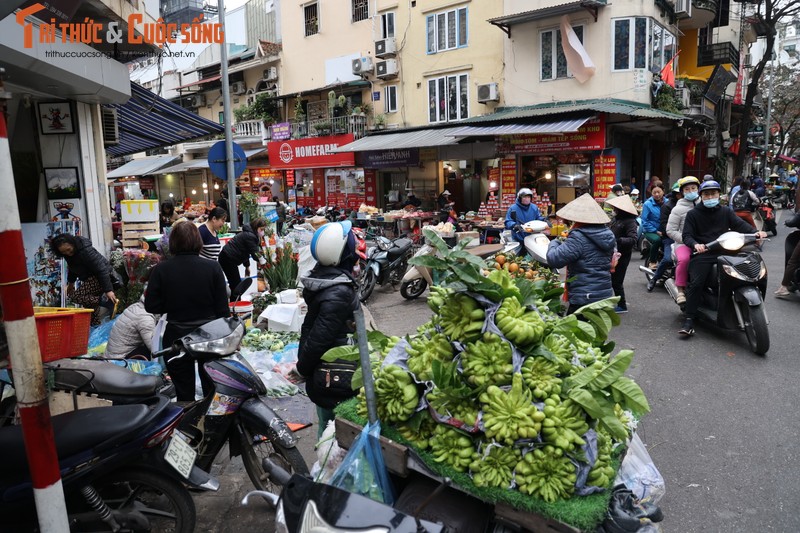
(367, 285)
(755, 327)
(411, 290)
(141, 500)
(256, 448)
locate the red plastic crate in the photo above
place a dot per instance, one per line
(63, 332)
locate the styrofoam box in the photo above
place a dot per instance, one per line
(139, 210)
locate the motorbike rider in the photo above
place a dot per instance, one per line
(651, 216)
(331, 295)
(520, 212)
(789, 283)
(689, 186)
(704, 224)
(744, 202)
(666, 242)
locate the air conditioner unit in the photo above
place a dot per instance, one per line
(386, 47)
(110, 127)
(683, 9)
(362, 66)
(684, 95)
(238, 87)
(270, 74)
(386, 69)
(198, 100)
(488, 93)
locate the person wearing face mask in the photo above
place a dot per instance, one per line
(688, 189)
(240, 249)
(520, 212)
(651, 215)
(704, 224)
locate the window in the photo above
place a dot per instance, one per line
(554, 62)
(311, 18)
(390, 97)
(221, 117)
(387, 25)
(641, 42)
(360, 10)
(447, 30)
(448, 98)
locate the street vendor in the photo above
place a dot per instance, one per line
(240, 249)
(412, 202)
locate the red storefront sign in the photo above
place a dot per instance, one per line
(265, 174)
(590, 136)
(290, 178)
(508, 181)
(370, 187)
(319, 186)
(313, 152)
(605, 174)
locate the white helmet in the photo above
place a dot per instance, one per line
(524, 192)
(329, 242)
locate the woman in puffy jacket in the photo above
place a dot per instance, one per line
(625, 230)
(651, 215)
(586, 252)
(689, 187)
(240, 249)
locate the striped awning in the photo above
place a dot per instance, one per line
(558, 126)
(147, 121)
(142, 167)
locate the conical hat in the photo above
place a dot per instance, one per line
(623, 203)
(584, 209)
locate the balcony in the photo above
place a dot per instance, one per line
(252, 129)
(724, 53)
(355, 124)
(701, 14)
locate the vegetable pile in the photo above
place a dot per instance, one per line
(274, 341)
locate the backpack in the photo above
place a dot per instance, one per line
(742, 201)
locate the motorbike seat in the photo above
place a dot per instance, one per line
(400, 247)
(102, 377)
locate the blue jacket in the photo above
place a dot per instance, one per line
(651, 214)
(586, 253)
(525, 213)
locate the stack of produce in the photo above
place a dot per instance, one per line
(518, 266)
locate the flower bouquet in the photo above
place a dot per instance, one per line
(280, 269)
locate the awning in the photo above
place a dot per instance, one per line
(142, 167)
(195, 164)
(200, 82)
(559, 126)
(788, 159)
(506, 21)
(147, 121)
(610, 106)
(397, 141)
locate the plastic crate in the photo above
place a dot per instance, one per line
(63, 332)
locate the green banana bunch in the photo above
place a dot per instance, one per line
(573, 416)
(460, 317)
(487, 361)
(453, 447)
(496, 468)
(547, 473)
(625, 417)
(541, 377)
(427, 329)
(361, 406)
(393, 340)
(438, 297)
(509, 416)
(395, 394)
(556, 428)
(459, 408)
(563, 349)
(422, 351)
(418, 429)
(520, 326)
(602, 474)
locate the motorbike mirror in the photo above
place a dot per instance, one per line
(241, 288)
(731, 240)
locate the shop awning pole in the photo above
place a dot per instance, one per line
(23, 344)
(233, 216)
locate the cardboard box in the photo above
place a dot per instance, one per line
(139, 210)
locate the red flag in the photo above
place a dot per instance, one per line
(689, 152)
(668, 72)
(734, 149)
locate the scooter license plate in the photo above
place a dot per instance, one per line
(180, 455)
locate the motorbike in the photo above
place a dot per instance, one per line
(386, 263)
(536, 230)
(766, 211)
(123, 468)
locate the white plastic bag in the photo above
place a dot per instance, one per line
(639, 473)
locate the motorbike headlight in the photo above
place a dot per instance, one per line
(222, 346)
(383, 243)
(312, 522)
(732, 272)
(763, 271)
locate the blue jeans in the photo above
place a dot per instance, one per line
(666, 261)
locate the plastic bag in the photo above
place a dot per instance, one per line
(639, 473)
(628, 514)
(329, 455)
(277, 385)
(148, 368)
(99, 335)
(363, 471)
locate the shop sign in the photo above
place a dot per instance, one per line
(508, 181)
(389, 158)
(147, 183)
(313, 152)
(590, 136)
(281, 131)
(290, 178)
(605, 174)
(370, 187)
(257, 174)
(318, 177)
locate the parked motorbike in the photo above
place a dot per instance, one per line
(123, 468)
(386, 263)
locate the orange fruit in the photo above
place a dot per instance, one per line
(529, 274)
(500, 259)
(498, 266)
(513, 267)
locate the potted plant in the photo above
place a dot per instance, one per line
(379, 121)
(322, 127)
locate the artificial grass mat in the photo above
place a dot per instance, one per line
(582, 512)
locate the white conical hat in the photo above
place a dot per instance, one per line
(623, 203)
(584, 209)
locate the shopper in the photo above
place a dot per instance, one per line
(240, 249)
(87, 265)
(331, 295)
(132, 333)
(586, 252)
(625, 231)
(191, 291)
(222, 202)
(208, 233)
(167, 216)
(280, 209)
(651, 216)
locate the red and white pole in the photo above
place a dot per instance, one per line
(23, 344)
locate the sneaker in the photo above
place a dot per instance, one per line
(652, 266)
(651, 285)
(687, 328)
(680, 299)
(619, 310)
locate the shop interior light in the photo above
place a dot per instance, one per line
(548, 176)
(256, 179)
(205, 185)
(492, 184)
(271, 181)
(194, 191)
(216, 186)
(171, 195)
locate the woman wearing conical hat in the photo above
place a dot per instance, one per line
(625, 230)
(586, 252)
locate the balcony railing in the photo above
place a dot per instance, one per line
(355, 124)
(252, 128)
(717, 54)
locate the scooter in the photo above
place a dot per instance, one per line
(766, 211)
(386, 263)
(123, 468)
(534, 228)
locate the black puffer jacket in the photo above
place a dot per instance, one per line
(704, 224)
(330, 294)
(666, 209)
(88, 262)
(239, 249)
(625, 229)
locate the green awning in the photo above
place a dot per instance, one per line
(610, 106)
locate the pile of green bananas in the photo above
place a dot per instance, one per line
(395, 394)
(547, 473)
(453, 447)
(562, 425)
(487, 361)
(418, 429)
(460, 316)
(496, 468)
(462, 409)
(509, 416)
(520, 326)
(393, 340)
(422, 351)
(602, 474)
(541, 377)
